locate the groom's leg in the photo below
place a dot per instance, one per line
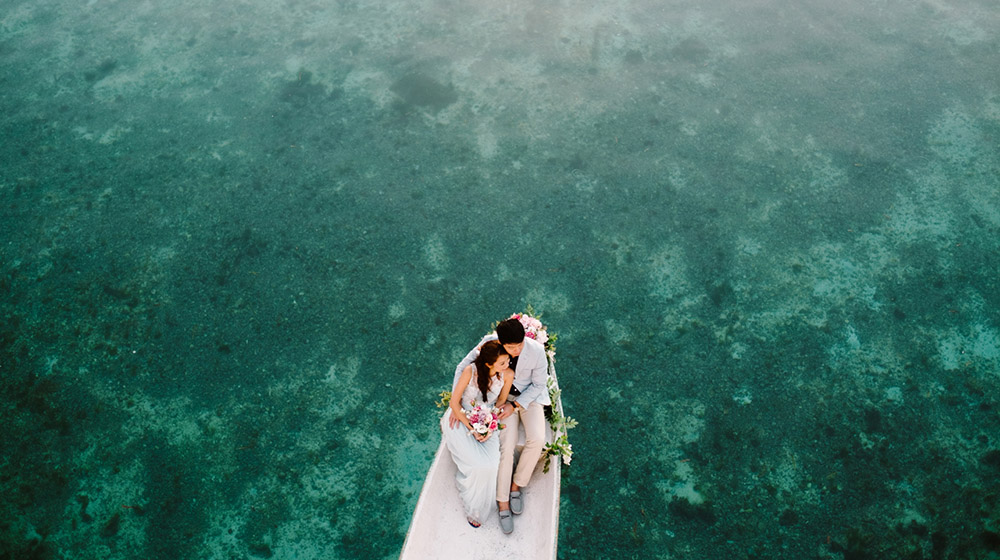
(533, 419)
(508, 442)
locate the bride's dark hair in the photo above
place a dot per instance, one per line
(488, 354)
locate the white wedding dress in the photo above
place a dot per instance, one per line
(477, 462)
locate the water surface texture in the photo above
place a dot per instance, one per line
(244, 243)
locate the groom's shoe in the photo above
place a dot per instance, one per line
(516, 503)
(506, 522)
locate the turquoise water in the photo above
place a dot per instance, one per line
(243, 245)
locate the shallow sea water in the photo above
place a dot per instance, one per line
(243, 245)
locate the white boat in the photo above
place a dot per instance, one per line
(439, 528)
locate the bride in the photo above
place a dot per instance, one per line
(477, 456)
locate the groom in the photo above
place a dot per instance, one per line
(528, 396)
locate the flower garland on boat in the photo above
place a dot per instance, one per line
(534, 329)
(561, 424)
(560, 446)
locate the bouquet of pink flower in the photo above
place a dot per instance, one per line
(484, 419)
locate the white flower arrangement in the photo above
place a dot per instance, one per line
(560, 424)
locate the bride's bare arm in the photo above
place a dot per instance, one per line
(457, 414)
(508, 381)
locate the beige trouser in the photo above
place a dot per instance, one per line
(533, 419)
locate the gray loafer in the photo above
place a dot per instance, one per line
(506, 522)
(516, 503)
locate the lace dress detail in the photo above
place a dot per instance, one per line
(473, 394)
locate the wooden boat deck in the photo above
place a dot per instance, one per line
(439, 528)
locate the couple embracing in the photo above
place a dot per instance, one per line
(506, 372)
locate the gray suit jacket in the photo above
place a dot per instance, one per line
(530, 375)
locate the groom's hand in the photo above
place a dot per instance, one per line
(507, 410)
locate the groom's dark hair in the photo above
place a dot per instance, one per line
(510, 331)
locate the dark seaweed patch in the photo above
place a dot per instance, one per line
(423, 91)
(103, 70)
